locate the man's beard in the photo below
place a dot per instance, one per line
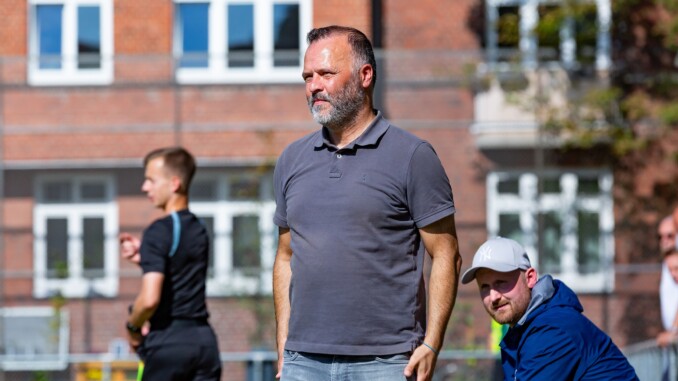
(343, 107)
(515, 311)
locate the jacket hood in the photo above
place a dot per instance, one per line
(555, 292)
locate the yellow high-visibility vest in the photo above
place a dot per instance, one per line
(497, 334)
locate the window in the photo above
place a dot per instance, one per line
(75, 229)
(237, 210)
(192, 19)
(237, 41)
(566, 227)
(71, 42)
(574, 34)
(34, 338)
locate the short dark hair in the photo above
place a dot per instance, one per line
(178, 161)
(669, 252)
(363, 53)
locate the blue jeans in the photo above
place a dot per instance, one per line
(299, 366)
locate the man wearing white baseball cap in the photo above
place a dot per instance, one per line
(549, 338)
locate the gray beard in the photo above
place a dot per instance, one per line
(343, 108)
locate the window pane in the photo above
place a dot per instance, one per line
(57, 191)
(93, 246)
(240, 35)
(32, 333)
(509, 227)
(286, 34)
(586, 32)
(89, 37)
(93, 192)
(244, 188)
(588, 256)
(203, 190)
(551, 185)
(588, 187)
(209, 226)
(508, 186)
(508, 33)
(246, 242)
(548, 31)
(194, 28)
(550, 243)
(57, 248)
(48, 33)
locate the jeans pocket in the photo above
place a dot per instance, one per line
(400, 358)
(290, 355)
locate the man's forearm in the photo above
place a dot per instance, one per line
(282, 274)
(442, 294)
(141, 312)
(440, 240)
(148, 299)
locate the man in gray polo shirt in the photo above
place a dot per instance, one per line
(358, 202)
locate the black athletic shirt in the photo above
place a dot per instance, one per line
(183, 291)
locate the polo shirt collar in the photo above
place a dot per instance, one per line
(370, 137)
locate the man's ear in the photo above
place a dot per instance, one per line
(175, 181)
(531, 276)
(366, 75)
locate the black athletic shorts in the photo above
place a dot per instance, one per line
(184, 351)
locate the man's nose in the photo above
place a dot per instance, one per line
(314, 84)
(494, 295)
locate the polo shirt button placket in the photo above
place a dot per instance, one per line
(335, 172)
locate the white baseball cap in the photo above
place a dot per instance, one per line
(498, 254)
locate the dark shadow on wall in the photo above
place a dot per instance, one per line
(377, 45)
(476, 21)
(641, 319)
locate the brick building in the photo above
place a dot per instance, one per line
(87, 87)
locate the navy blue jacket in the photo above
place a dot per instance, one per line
(554, 341)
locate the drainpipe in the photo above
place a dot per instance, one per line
(2, 224)
(378, 44)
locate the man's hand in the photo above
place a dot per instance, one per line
(280, 365)
(134, 339)
(129, 247)
(666, 338)
(423, 361)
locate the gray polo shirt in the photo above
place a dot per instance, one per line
(357, 286)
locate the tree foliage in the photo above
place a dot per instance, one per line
(627, 115)
(636, 105)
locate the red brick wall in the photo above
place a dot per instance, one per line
(143, 27)
(13, 39)
(353, 13)
(428, 24)
(94, 109)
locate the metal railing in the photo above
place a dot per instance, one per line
(237, 366)
(653, 363)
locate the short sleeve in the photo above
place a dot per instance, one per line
(429, 194)
(155, 246)
(279, 181)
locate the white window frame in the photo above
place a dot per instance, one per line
(69, 74)
(224, 279)
(76, 285)
(39, 361)
(263, 70)
(528, 45)
(527, 204)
